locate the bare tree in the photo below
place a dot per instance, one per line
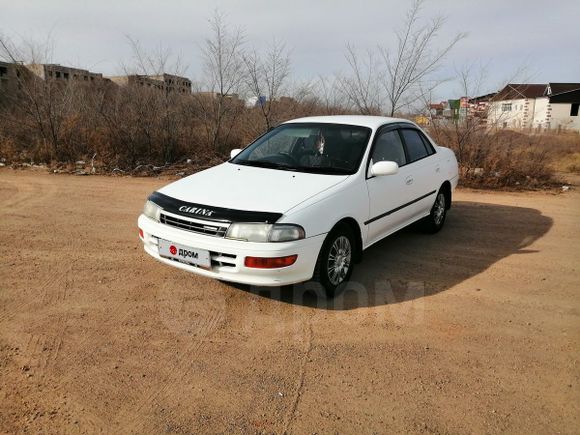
(157, 112)
(42, 106)
(328, 95)
(466, 134)
(218, 95)
(156, 62)
(266, 78)
(414, 59)
(361, 87)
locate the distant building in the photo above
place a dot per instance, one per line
(286, 100)
(461, 108)
(436, 109)
(478, 107)
(251, 102)
(9, 78)
(59, 73)
(453, 109)
(137, 80)
(538, 106)
(445, 109)
(234, 98)
(422, 120)
(256, 101)
(165, 82)
(559, 106)
(174, 83)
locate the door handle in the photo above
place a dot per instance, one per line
(409, 180)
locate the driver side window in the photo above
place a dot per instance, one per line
(274, 145)
(389, 147)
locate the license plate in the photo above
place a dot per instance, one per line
(185, 254)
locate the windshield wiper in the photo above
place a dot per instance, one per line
(310, 169)
(265, 164)
(324, 170)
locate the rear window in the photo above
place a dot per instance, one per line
(416, 149)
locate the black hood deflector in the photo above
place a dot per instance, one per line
(211, 213)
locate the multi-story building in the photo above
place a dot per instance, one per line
(137, 80)
(537, 106)
(56, 72)
(559, 106)
(478, 107)
(9, 78)
(174, 83)
(166, 82)
(436, 110)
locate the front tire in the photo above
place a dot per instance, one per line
(434, 222)
(335, 261)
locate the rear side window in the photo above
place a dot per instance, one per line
(416, 149)
(428, 145)
(389, 148)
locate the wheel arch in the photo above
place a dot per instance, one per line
(355, 228)
(446, 188)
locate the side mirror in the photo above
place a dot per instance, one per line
(384, 168)
(235, 152)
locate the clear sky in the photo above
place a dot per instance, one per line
(502, 34)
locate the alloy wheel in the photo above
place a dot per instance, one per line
(339, 259)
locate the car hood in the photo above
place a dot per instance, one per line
(249, 188)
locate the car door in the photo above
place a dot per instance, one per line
(423, 170)
(389, 192)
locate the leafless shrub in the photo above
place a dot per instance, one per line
(504, 158)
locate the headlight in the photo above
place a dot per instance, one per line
(152, 210)
(251, 232)
(286, 233)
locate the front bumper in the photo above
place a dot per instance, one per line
(227, 256)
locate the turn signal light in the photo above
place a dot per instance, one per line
(270, 262)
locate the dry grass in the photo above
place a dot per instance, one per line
(510, 159)
(142, 132)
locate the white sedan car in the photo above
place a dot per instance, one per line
(301, 202)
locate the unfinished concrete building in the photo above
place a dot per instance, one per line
(57, 72)
(165, 82)
(174, 83)
(9, 77)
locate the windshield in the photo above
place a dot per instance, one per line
(316, 148)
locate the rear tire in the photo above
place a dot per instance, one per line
(436, 219)
(335, 260)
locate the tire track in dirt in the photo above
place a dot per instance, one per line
(43, 345)
(136, 422)
(45, 349)
(42, 351)
(134, 415)
(91, 422)
(22, 305)
(28, 193)
(300, 380)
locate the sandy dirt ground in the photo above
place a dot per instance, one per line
(475, 329)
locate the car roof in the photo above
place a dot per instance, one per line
(373, 122)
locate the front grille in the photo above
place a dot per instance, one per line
(208, 229)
